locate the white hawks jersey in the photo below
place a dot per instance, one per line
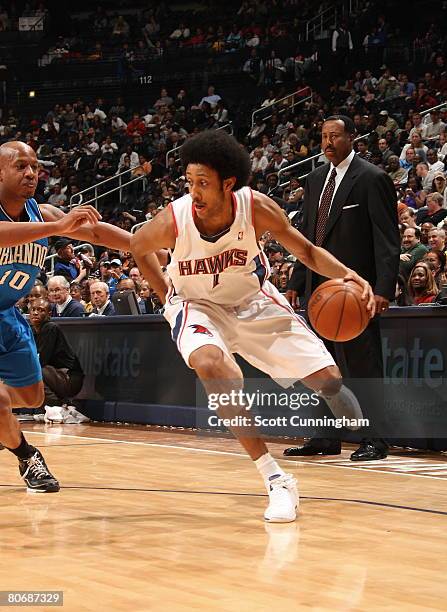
(228, 271)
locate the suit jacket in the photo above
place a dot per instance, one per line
(72, 309)
(361, 230)
(109, 310)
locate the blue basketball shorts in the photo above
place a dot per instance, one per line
(19, 361)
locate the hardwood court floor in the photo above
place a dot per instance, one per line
(170, 521)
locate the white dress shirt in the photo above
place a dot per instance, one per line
(61, 307)
(341, 169)
(101, 310)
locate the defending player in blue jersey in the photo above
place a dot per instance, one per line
(24, 229)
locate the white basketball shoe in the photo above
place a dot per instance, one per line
(284, 499)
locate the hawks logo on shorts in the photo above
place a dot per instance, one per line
(200, 329)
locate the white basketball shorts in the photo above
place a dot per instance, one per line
(265, 331)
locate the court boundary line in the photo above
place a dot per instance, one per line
(364, 502)
(232, 454)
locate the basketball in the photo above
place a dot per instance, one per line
(336, 310)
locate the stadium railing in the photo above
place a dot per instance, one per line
(284, 107)
(94, 200)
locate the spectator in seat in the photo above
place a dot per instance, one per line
(211, 97)
(418, 126)
(392, 91)
(384, 150)
(416, 144)
(362, 150)
(254, 135)
(435, 126)
(117, 125)
(136, 126)
(164, 99)
(395, 172)
(259, 162)
(407, 163)
(439, 185)
(386, 123)
(121, 28)
(436, 260)
(100, 297)
(61, 371)
(76, 292)
(135, 275)
(220, 114)
(66, 264)
(408, 217)
(434, 165)
(424, 100)
(425, 230)
(442, 146)
(402, 297)
(180, 33)
(275, 253)
(436, 239)
(38, 292)
(435, 213)
(57, 198)
(116, 274)
(406, 86)
(421, 285)
(284, 274)
(146, 296)
(108, 146)
(412, 250)
(277, 163)
(85, 294)
(62, 304)
(425, 174)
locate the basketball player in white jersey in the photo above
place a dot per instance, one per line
(218, 300)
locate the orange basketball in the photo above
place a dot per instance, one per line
(336, 310)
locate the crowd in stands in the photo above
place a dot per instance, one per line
(83, 142)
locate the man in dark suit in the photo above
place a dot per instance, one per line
(63, 305)
(100, 297)
(350, 210)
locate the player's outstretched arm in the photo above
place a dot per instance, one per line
(269, 216)
(153, 237)
(90, 230)
(14, 234)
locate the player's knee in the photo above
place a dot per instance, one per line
(331, 385)
(38, 397)
(32, 396)
(5, 404)
(208, 363)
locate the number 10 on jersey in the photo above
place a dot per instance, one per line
(17, 281)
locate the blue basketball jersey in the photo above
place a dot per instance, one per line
(20, 265)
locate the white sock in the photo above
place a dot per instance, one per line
(268, 468)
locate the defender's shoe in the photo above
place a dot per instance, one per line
(37, 476)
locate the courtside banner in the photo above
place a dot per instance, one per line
(132, 360)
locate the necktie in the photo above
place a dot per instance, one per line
(325, 205)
